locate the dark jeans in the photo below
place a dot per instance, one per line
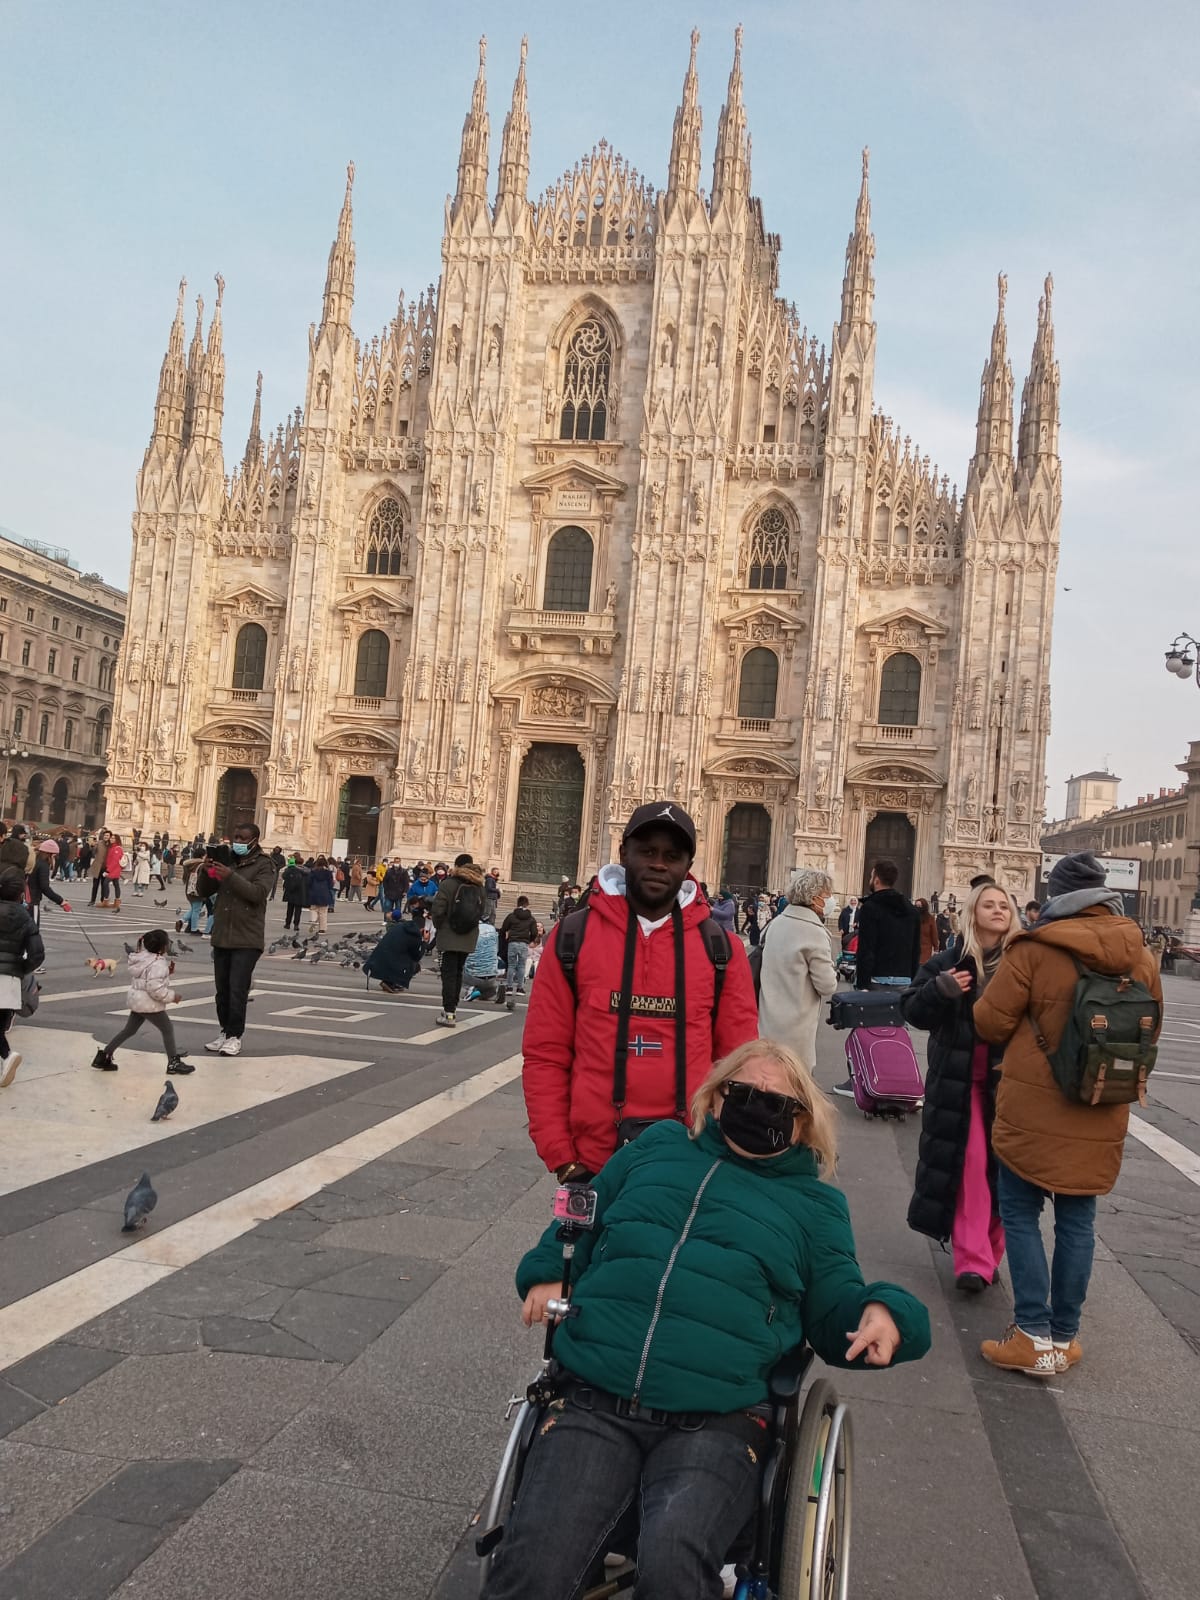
(5, 1024)
(156, 1019)
(291, 917)
(1047, 1300)
(100, 889)
(233, 970)
(697, 1492)
(453, 962)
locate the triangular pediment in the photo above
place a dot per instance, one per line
(574, 474)
(761, 611)
(370, 599)
(251, 598)
(908, 618)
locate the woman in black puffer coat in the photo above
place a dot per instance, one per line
(21, 951)
(955, 1191)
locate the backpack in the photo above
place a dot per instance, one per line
(466, 909)
(1106, 1052)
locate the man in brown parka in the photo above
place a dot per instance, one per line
(1046, 1144)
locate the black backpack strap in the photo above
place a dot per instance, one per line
(571, 930)
(716, 944)
(680, 1014)
(621, 1048)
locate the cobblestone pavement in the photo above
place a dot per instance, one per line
(293, 1383)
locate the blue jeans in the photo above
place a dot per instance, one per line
(518, 960)
(1047, 1300)
(697, 1492)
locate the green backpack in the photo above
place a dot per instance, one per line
(1106, 1053)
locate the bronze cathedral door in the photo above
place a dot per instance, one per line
(549, 815)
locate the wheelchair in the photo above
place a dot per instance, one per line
(796, 1546)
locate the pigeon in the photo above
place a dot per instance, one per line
(184, 949)
(130, 950)
(168, 1101)
(160, 902)
(139, 1203)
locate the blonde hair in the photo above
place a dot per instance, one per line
(970, 933)
(821, 1134)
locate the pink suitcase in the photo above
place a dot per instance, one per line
(884, 1071)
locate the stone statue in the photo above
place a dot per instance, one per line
(478, 497)
(633, 769)
(518, 588)
(699, 503)
(610, 599)
(677, 776)
(310, 489)
(162, 737)
(134, 670)
(849, 398)
(1026, 712)
(841, 507)
(639, 690)
(975, 720)
(656, 504)
(971, 787)
(416, 765)
(458, 761)
(821, 783)
(287, 746)
(295, 667)
(825, 697)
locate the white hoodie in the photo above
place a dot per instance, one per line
(149, 983)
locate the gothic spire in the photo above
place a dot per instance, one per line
(858, 284)
(993, 432)
(684, 171)
(339, 279)
(172, 380)
(210, 382)
(1039, 398)
(514, 147)
(254, 444)
(731, 164)
(473, 157)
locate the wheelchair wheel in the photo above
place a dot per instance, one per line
(815, 1548)
(504, 1490)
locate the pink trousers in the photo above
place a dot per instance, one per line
(977, 1235)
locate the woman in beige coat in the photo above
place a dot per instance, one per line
(797, 966)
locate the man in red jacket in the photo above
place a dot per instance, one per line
(624, 1024)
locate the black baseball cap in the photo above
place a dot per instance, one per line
(662, 814)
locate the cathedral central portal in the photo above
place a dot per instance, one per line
(549, 815)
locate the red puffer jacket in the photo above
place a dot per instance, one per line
(568, 1076)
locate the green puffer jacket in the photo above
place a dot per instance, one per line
(240, 918)
(705, 1267)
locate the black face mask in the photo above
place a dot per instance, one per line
(755, 1128)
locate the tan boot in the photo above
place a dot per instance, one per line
(1067, 1354)
(1018, 1351)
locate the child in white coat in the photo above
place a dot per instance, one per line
(150, 993)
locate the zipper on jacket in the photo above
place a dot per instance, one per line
(662, 1285)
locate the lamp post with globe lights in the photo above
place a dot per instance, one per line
(1183, 658)
(12, 748)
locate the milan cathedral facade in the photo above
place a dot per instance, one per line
(591, 522)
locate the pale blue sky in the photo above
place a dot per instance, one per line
(145, 141)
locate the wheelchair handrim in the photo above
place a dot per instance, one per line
(836, 1486)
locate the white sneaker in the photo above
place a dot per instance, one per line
(231, 1047)
(9, 1066)
(215, 1044)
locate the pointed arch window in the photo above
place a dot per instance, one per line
(586, 378)
(371, 665)
(900, 691)
(250, 657)
(758, 684)
(767, 560)
(568, 571)
(385, 539)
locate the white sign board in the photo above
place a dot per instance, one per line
(340, 847)
(1118, 873)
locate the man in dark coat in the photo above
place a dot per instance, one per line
(397, 956)
(889, 932)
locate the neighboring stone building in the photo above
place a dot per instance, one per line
(1090, 794)
(1161, 830)
(59, 634)
(594, 521)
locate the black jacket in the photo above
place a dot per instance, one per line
(39, 883)
(295, 886)
(946, 1118)
(396, 884)
(397, 955)
(520, 925)
(889, 938)
(21, 947)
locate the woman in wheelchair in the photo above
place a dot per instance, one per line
(714, 1251)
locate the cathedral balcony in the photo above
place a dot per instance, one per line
(222, 699)
(586, 633)
(875, 736)
(794, 459)
(376, 707)
(756, 731)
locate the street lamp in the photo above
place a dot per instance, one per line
(1183, 658)
(10, 748)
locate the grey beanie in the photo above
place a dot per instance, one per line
(1081, 871)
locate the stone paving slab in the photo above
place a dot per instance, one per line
(83, 1557)
(263, 1535)
(161, 1407)
(158, 1493)
(59, 1370)
(40, 1486)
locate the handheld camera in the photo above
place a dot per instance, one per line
(575, 1204)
